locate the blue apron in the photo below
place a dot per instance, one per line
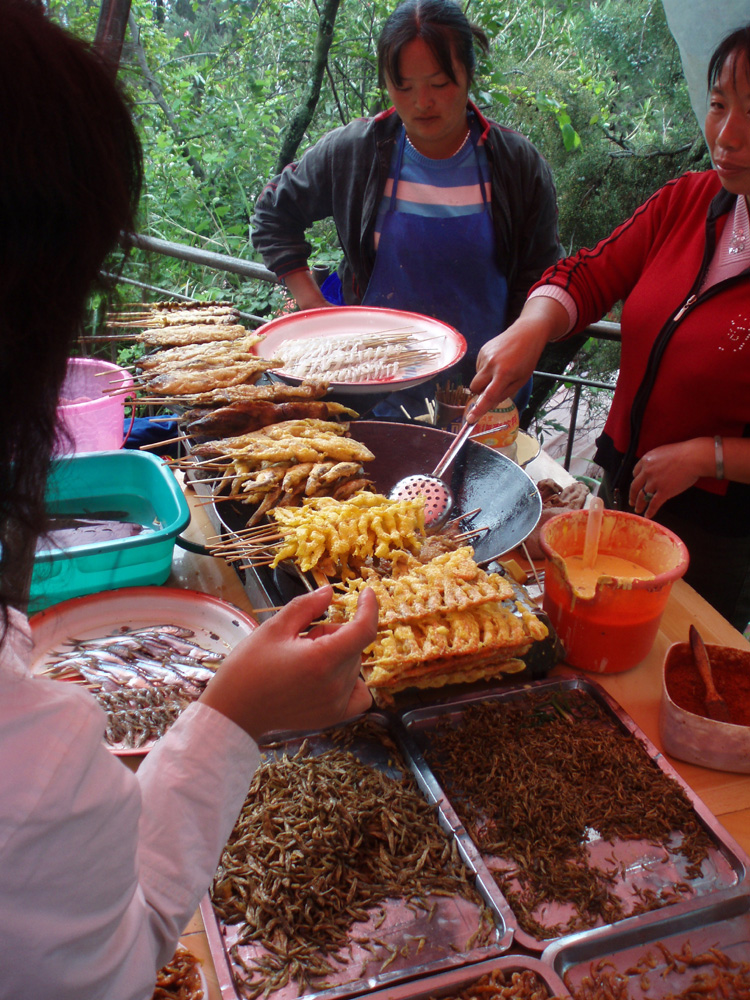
(430, 266)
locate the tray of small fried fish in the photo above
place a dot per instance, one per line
(341, 875)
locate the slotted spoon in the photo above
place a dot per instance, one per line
(438, 496)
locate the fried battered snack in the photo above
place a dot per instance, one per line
(408, 648)
(451, 581)
(337, 537)
(185, 381)
(445, 621)
(211, 354)
(190, 333)
(283, 463)
(244, 418)
(275, 392)
(170, 313)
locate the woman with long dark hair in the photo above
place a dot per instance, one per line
(101, 869)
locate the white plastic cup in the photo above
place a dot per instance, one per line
(92, 406)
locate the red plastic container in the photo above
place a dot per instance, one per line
(615, 629)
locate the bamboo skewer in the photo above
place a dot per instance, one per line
(161, 444)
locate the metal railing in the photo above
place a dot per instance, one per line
(604, 330)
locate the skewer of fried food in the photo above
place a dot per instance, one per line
(466, 535)
(161, 444)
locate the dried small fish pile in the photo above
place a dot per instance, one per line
(533, 778)
(142, 677)
(323, 844)
(285, 462)
(676, 975)
(179, 979)
(136, 716)
(356, 357)
(521, 984)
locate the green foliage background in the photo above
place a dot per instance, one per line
(596, 85)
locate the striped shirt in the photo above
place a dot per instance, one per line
(438, 188)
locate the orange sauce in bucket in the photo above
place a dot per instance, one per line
(583, 579)
(612, 626)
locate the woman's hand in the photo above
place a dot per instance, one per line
(668, 470)
(277, 678)
(304, 290)
(505, 363)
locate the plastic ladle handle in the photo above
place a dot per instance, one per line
(593, 531)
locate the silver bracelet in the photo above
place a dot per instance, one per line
(719, 453)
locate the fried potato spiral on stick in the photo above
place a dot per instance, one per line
(338, 537)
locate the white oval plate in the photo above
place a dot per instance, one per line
(448, 345)
(218, 625)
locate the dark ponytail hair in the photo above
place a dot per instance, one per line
(736, 42)
(70, 177)
(442, 25)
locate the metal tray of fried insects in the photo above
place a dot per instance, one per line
(576, 814)
(341, 877)
(522, 977)
(704, 951)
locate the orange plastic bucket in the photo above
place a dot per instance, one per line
(615, 629)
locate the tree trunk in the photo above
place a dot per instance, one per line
(110, 31)
(302, 116)
(152, 84)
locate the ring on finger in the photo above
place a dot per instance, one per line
(648, 497)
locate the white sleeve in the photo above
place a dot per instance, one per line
(100, 868)
(193, 784)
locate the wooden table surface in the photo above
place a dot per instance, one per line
(638, 690)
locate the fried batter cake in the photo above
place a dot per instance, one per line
(451, 581)
(442, 622)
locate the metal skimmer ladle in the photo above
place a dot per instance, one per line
(438, 498)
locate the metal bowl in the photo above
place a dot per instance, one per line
(480, 477)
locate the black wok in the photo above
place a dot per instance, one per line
(480, 477)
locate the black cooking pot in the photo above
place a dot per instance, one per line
(480, 477)
(509, 502)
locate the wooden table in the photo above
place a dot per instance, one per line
(638, 690)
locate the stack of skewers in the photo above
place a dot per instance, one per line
(287, 453)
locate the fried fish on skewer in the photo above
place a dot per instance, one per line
(155, 316)
(199, 333)
(192, 355)
(242, 418)
(194, 381)
(276, 392)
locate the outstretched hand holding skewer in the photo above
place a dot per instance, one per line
(283, 677)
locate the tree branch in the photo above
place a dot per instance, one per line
(152, 85)
(302, 116)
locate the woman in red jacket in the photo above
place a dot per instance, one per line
(675, 445)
